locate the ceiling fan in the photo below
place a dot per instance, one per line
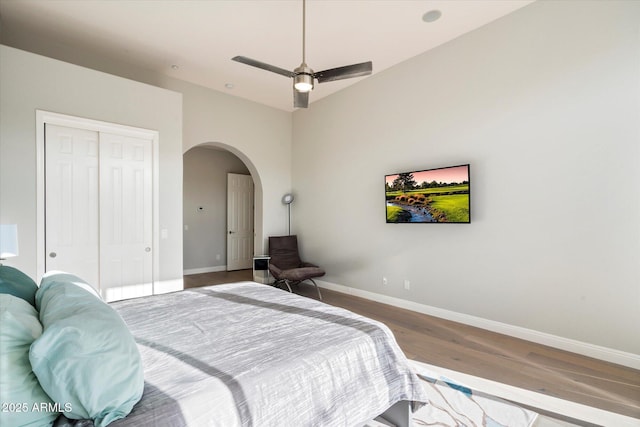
(303, 76)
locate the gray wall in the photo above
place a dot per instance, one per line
(260, 136)
(29, 82)
(544, 105)
(205, 185)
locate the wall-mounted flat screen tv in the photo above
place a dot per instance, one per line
(429, 196)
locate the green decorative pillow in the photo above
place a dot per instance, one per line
(86, 356)
(15, 282)
(24, 403)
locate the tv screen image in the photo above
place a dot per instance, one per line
(429, 196)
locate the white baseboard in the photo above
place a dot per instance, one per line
(165, 286)
(586, 349)
(214, 269)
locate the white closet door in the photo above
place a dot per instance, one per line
(98, 209)
(239, 221)
(71, 223)
(126, 234)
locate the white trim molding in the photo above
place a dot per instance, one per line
(586, 349)
(44, 117)
(166, 286)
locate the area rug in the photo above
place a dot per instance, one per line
(452, 403)
(555, 412)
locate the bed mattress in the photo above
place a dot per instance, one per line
(247, 354)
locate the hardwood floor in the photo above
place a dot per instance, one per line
(485, 354)
(218, 278)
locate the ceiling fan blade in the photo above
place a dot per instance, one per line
(300, 99)
(346, 72)
(263, 66)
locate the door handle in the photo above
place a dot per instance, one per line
(231, 232)
(147, 249)
(53, 254)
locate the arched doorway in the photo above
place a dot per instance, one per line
(205, 169)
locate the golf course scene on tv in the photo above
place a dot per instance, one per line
(429, 196)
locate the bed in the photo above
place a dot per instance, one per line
(247, 354)
(242, 354)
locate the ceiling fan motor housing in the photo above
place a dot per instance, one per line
(303, 79)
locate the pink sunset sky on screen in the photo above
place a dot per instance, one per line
(446, 175)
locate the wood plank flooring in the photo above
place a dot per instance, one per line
(485, 354)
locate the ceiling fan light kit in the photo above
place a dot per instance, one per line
(303, 79)
(303, 76)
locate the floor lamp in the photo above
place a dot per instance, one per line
(287, 199)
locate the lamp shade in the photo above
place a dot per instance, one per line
(8, 240)
(287, 199)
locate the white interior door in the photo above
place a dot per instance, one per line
(239, 221)
(71, 199)
(126, 235)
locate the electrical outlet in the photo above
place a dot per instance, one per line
(407, 284)
(385, 282)
(218, 257)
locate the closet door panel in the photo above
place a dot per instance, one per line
(71, 202)
(126, 190)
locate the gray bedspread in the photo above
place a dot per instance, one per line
(247, 354)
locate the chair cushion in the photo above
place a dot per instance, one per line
(283, 251)
(300, 274)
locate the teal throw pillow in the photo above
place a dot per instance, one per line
(86, 355)
(24, 403)
(15, 282)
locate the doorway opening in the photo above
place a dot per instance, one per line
(211, 241)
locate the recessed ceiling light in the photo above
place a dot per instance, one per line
(431, 16)
(175, 67)
(229, 85)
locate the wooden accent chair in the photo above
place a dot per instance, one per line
(285, 265)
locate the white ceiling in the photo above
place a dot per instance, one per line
(201, 37)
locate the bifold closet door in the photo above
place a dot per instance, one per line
(98, 213)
